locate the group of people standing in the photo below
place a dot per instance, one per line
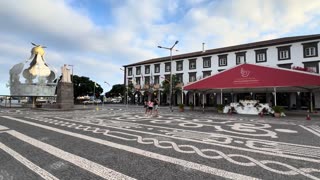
(151, 107)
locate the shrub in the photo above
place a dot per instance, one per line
(277, 109)
(191, 106)
(220, 107)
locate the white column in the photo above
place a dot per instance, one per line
(275, 96)
(159, 96)
(311, 108)
(203, 101)
(221, 97)
(182, 96)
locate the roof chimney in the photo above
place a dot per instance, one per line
(203, 47)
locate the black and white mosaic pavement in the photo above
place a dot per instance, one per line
(123, 143)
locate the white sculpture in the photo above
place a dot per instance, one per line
(34, 79)
(38, 67)
(248, 107)
(66, 77)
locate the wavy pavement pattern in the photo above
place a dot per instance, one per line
(191, 149)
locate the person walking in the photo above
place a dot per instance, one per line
(156, 107)
(150, 107)
(146, 107)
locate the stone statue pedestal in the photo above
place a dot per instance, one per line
(65, 95)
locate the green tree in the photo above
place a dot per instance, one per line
(166, 85)
(84, 86)
(117, 90)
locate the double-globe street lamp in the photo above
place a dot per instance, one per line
(170, 71)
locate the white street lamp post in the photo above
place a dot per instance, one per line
(170, 102)
(104, 94)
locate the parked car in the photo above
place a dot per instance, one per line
(97, 101)
(115, 100)
(88, 102)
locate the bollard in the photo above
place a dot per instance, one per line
(308, 117)
(261, 114)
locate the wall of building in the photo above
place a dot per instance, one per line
(296, 58)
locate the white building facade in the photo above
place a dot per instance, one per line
(299, 52)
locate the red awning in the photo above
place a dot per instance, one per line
(249, 76)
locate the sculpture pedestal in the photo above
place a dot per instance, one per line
(65, 95)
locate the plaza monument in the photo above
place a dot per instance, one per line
(35, 78)
(65, 90)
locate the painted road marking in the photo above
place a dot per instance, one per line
(86, 164)
(184, 163)
(3, 128)
(41, 172)
(313, 132)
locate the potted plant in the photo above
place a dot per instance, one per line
(191, 106)
(181, 107)
(38, 105)
(277, 110)
(220, 108)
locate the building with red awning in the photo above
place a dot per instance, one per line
(255, 78)
(252, 77)
(283, 71)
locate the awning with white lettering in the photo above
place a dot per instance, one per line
(246, 77)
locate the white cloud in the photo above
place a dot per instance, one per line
(136, 29)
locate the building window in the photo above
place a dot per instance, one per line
(206, 62)
(286, 66)
(129, 71)
(310, 49)
(147, 80)
(192, 77)
(312, 66)
(206, 73)
(156, 80)
(157, 68)
(223, 61)
(129, 81)
(138, 80)
(138, 70)
(147, 69)
(240, 58)
(283, 53)
(179, 77)
(261, 55)
(167, 78)
(192, 63)
(167, 67)
(179, 65)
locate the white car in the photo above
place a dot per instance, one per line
(115, 100)
(88, 102)
(97, 101)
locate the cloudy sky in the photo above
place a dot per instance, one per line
(99, 37)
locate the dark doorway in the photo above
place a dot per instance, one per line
(244, 96)
(283, 99)
(261, 97)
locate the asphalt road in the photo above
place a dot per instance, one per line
(113, 142)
